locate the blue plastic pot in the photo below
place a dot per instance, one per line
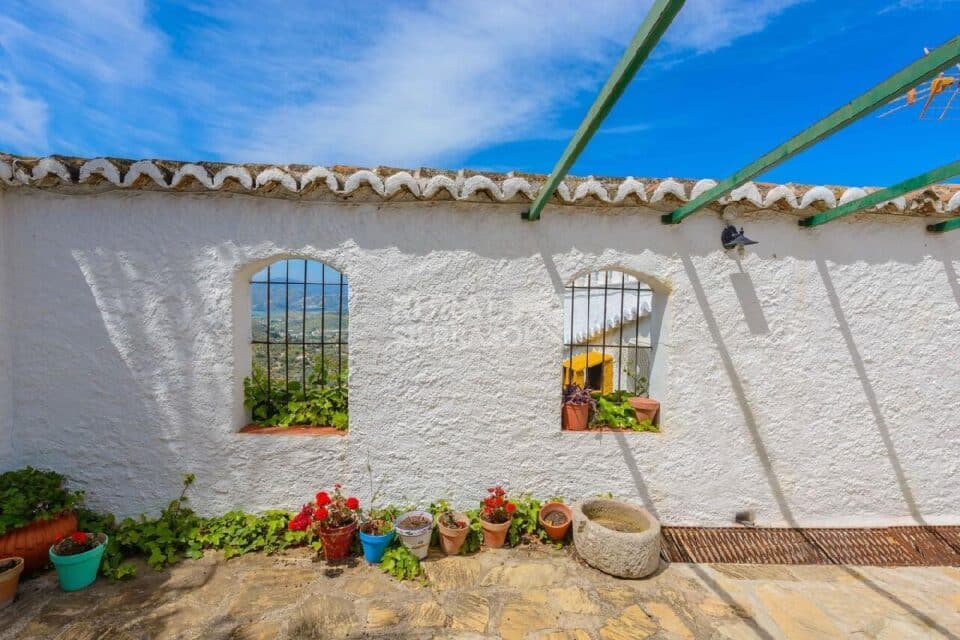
(375, 546)
(78, 571)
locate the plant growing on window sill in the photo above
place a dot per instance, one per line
(577, 405)
(323, 402)
(615, 411)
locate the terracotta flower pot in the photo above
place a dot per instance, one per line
(556, 532)
(645, 408)
(575, 416)
(451, 539)
(495, 535)
(9, 579)
(337, 542)
(32, 541)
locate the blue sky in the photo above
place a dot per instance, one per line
(467, 83)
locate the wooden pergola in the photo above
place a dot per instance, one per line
(656, 23)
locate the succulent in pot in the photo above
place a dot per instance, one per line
(414, 529)
(76, 558)
(555, 518)
(453, 528)
(376, 534)
(332, 518)
(496, 514)
(578, 402)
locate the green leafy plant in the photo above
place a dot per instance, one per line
(475, 534)
(399, 562)
(614, 410)
(166, 539)
(237, 533)
(526, 521)
(324, 400)
(33, 494)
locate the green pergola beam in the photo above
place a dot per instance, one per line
(910, 184)
(654, 25)
(946, 225)
(912, 75)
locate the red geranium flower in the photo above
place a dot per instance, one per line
(323, 499)
(353, 503)
(511, 507)
(320, 514)
(79, 537)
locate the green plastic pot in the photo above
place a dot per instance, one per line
(80, 570)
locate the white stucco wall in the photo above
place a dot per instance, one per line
(7, 458)
(814, 382)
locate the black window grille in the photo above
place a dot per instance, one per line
(299, 322)
(607, 332)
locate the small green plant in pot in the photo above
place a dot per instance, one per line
(453, 528)
(376, 534)
(77, 559)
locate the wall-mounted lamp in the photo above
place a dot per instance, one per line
(731, 238)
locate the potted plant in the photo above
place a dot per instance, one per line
(555, 518)
(10, 570)
(35, 510)
(331, 518)
(453, 529)
(645, 408)
(76, 558)
(496, 514)
(376, 534)
(414, 529)
(577, 404)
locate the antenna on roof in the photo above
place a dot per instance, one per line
(928, 92)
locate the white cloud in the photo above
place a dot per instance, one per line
(440, 80)
(351, 82)
(24, 121)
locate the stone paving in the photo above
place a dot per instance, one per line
(531, 593)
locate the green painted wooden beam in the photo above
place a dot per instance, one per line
(910, 184)
(946, 225)
(912, 75)
(654, 25)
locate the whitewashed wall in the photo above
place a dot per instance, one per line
(6, 360)
(815, 382)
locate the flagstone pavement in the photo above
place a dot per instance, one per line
(529, 593)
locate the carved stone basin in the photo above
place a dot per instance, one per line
(616, 537)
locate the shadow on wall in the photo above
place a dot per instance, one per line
(155, 347)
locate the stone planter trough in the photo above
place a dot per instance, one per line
(616, 537)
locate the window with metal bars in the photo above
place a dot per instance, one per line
(607, 344)
(300, 328)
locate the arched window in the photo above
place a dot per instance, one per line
(299, 338)
(608, 347)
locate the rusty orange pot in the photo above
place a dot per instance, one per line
(9, 579)
(337, 542)
(575, 416)
(32, 541)
(645, 408)
(556, 532)
(452, 538)
(495, 535)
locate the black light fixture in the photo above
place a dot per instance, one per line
(731, 238)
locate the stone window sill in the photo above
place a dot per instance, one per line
(253, 429)
(610, 430)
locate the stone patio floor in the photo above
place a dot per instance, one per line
(527, 593)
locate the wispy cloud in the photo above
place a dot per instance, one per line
(423, 83)
(24, 123)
